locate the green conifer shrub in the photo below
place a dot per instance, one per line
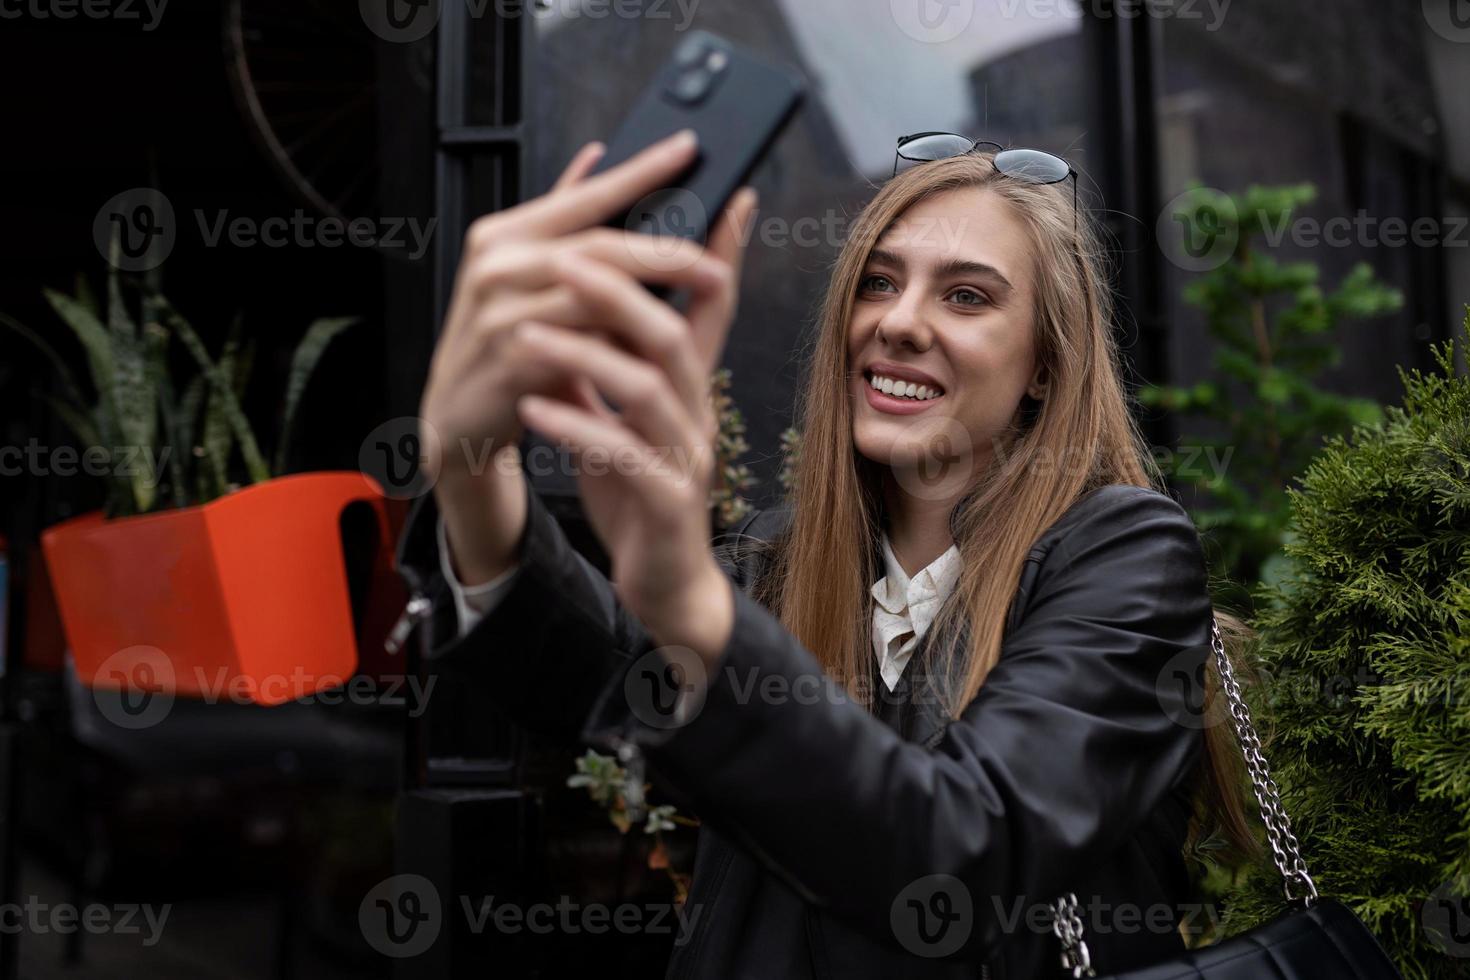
(1364, 691)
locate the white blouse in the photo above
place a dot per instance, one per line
(904, 606)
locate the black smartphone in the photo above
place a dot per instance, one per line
(737, 103)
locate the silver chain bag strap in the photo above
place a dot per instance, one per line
(1340, 937)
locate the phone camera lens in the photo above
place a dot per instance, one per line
(691, 53)
(692, 86)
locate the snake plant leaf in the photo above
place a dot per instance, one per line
(68, 380)
(218, 438)
(98, 346)
(216, 441)
(119, 323)
(190, 403)
(85, 296)
(220, 384)
(303, 363)
(89, 330)
(133, 398)
(244, 364)
(173, 446)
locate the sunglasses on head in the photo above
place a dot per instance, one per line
(1032, 166)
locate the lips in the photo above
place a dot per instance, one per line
(894, 405)
(902, 372)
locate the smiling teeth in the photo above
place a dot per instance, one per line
(903, 389)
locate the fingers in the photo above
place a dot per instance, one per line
(668, 261)
(649, 405)
(581, 164)
(592, 201)
(590, 296)
(655, 331)
(577, 425)
(586, 396)
(712, 309)
(565, 424)
(731, 233)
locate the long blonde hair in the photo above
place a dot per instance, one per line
(819, 579)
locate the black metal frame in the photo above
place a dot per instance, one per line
(445, 796)
(460, 141)
(1125, 51)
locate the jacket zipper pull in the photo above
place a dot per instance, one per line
(415, 612)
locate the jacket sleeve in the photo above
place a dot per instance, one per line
(1067, 748)
(471, 602)
(554, 637)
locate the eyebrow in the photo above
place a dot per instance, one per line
(948, 269)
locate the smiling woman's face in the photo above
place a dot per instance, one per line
(945, 302)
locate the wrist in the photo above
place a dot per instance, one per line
(484, 518)
(704, 615)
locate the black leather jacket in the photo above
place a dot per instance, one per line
(842, 842)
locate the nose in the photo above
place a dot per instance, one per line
(904, 323)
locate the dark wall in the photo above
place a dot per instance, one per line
(1288, 93)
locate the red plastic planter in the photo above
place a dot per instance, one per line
(244, 597)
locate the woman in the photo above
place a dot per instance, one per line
(911, 712)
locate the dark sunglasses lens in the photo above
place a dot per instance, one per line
(937, 147)
(1031, 165)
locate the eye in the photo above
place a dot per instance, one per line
(873, 283)
(966, 296)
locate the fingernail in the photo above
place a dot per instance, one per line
(683, 140)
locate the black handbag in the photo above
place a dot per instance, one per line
(1320, 939)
